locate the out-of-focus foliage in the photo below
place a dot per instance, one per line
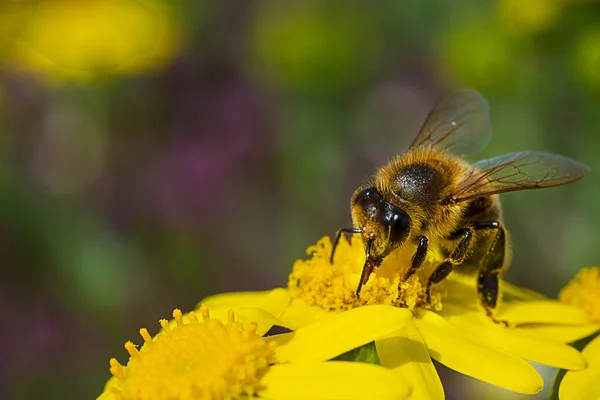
(315, 46)
(154, 152)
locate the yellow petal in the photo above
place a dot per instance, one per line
(406, 354)
(342, 332)
(584, 385)
(299, 314)
(277, 301)
(247, 315)
(592, 353)
(273, 301)
(542, 312)
(451, 347)
(516, 341)
(463, 289)
(512, 292)
(334, 380)
(561, 333)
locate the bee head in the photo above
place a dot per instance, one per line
(385, 224)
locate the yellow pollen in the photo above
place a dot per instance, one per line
(333, 287)
(194, 359)
(584, 292)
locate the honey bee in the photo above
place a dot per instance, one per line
(430, 197)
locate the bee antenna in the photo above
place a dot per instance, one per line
(338, 235)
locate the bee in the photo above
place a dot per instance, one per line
(430, 197)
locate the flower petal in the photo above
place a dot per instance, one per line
(299, 314)
(510, 291)
(561, 333)
(406, 354)
(542, 312)
(234, 299)
(583, 385)
(592, 352)
(332, 381)
(277, 301)
(449, 345)
(274, 301)
(342, 332)
(247, 315)
(462, 288)
(513, 340)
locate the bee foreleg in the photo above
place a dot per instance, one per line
(417, 259)
(456, 257)
(338, 235)
(489, 270)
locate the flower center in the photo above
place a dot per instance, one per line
(194, 360)
(333, 286)
(584, 292)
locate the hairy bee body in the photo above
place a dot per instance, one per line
(430, 197)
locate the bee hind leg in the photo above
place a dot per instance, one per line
(490, 268)
(457, 256)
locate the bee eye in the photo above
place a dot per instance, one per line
(367, 196)
(399, 224)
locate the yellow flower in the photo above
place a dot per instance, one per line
(229, 359)
(584, 385)
(90, 38)
(475, 50)
(450, 329)
(584, 292)
(531, 16)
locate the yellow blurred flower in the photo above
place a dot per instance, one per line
(584, 292)
(87, 39)
(476, 51)
(586, 57)
(530, 16)
(228, 359)
(450, 330)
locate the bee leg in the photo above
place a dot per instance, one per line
(370, 264)
(456, 257)
(489, 270)
(338, 235)
(417, 259)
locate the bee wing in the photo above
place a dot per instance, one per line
(518, 171)
(459, 124)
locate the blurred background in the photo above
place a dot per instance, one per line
(154, 152)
